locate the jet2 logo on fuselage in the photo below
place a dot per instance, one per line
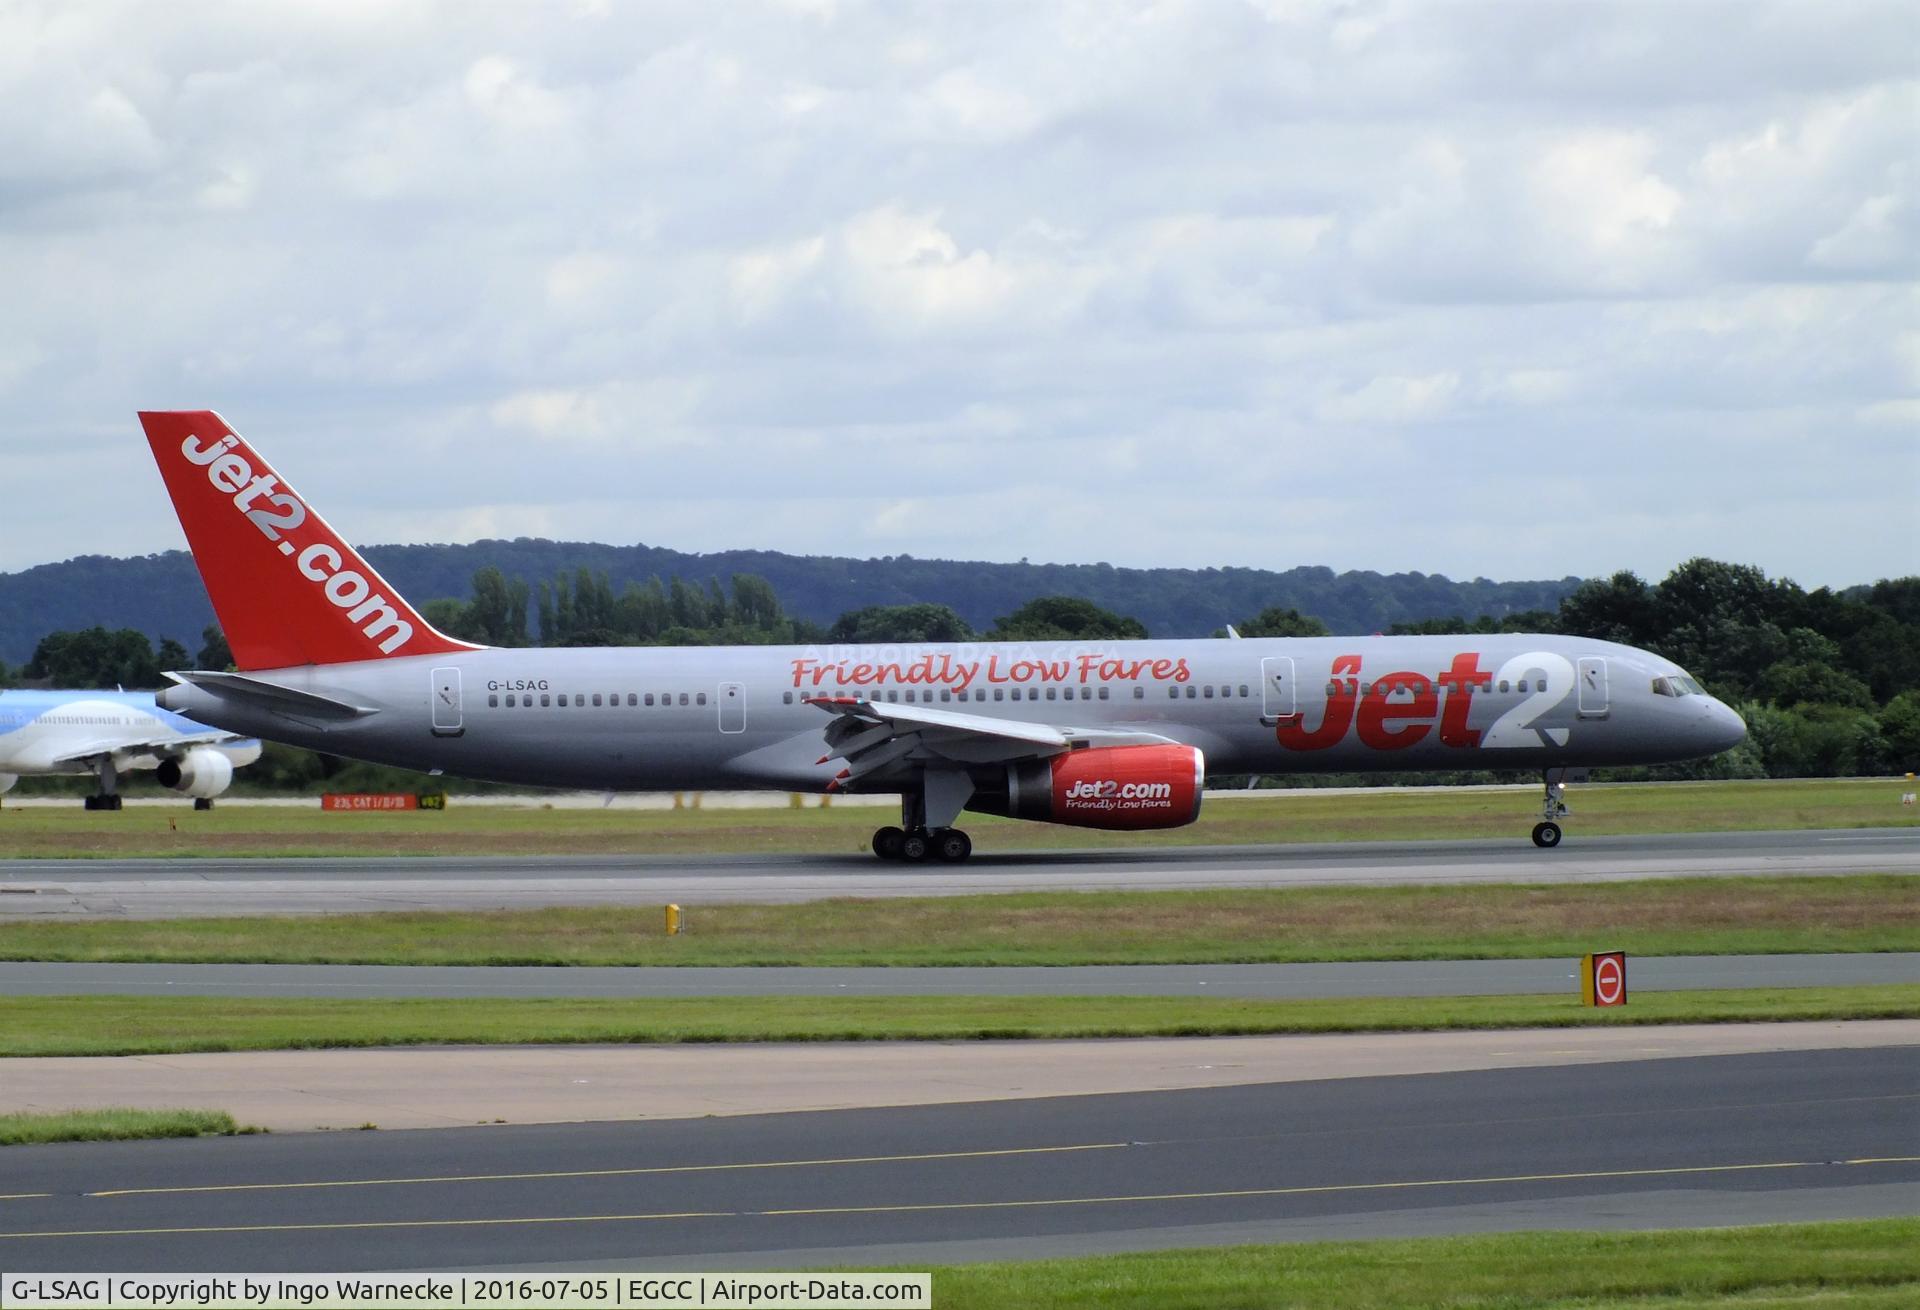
(1404, 708)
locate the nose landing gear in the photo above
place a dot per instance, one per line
(1553, 807)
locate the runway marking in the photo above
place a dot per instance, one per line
(24, 1196)
(610, 1173)
(1320, 1189)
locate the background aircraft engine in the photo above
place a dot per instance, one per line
(200, 773)
(6, 782)
(1129, 787)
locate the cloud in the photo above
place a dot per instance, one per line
(1152, 283)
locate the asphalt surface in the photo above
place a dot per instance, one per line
(1754, 1138)
(1270, 981)
(171, 888)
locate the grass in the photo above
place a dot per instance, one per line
(1684, 916)
(477, 828)
(145, 1025)
(1855, 1264)
(115, 1125)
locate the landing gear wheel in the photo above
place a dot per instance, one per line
(914, 849)
(102, 803)
(1546, 835)
(887, 843)
(953, 846)
(202, 803)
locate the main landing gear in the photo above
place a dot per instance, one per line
(1553, 807)
(108, 797)
(948, 845)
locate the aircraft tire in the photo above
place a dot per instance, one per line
(1546, 835)
(953, 846)
(202, 802)
(887, 843)
(915, 848)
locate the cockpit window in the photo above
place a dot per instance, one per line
(1678, 684)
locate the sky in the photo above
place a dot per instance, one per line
(1513, 290)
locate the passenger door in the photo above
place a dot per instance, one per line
(733, 707)
(447, 720)
(1592, 677)
(1277, 698)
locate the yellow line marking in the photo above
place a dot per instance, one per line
(966, 1205)
(613, 1173)
(24, 1196)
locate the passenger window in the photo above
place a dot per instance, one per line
(649, 700)
(979, 693)
(893, 697)
(1503, 685)
(999, 693)
(492, 701)
(1243, 691)
(596, 699)
(509, 700)
(946, 694)
(1103, 693)
(1366, 689)
(1333, 687)
(1190, 693)
(1173, 693)
(701, 699)
(1139, 692)
(1209, 691)
(1523, 686)
(543, 701)
(1050, 693)
(683, 698)
(786, 698)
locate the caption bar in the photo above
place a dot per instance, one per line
(759, 1291)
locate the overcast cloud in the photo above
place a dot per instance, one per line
(1515, 289)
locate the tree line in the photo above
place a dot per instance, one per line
(1828, 681)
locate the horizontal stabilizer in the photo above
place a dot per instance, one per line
(269, 696)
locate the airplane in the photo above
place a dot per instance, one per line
(1104, 734)
(111, 733)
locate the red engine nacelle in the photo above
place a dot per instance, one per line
(1109, 787)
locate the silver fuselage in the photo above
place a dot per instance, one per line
(634, 718)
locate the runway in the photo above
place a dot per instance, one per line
(1683, 1142)
(173, 888)
(1258, 981)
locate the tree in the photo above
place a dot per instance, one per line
(170, 655)
(1900, 732)
(1065, 618)
(1276, 622)
(214, 652)
(1620, 608)
(96, 657)
(878, 624)
(497, 614)
(1802, 682)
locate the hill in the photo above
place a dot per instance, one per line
(161, 594)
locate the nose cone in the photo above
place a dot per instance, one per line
(1721, 729)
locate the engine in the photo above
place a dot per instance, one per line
(200, 773)
(6, 782)
(1129, 787)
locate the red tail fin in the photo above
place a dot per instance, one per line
(286, 589)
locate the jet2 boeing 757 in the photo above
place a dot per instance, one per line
(110, 733)
(1114, 734)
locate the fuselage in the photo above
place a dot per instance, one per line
(57, 732)
(631, 718)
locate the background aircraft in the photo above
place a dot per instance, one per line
(1105, 735)
(109, 733)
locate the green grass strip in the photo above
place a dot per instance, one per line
(1677, 916)
(115, 1125)
(1855, 1264)
(475, 827)
(142, 1025)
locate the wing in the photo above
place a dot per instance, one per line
(125, 752)
(880, 741)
